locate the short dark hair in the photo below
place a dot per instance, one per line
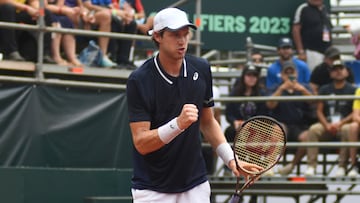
(256, 51)
(161, 33)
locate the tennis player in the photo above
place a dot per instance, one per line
(170, 100)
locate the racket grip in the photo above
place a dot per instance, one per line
(235, 198)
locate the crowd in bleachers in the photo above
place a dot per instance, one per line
(304, 121)
(118, 16)
(307, 64)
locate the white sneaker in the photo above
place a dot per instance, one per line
(106, 62)
(353, 172)
(310, 171)
(269, 173)
(340, 172)
(286, 170)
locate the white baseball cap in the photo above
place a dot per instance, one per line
(170, 18)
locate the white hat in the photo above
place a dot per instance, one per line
(171, 18)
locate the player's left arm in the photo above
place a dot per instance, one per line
(211, 128)
(213, 134)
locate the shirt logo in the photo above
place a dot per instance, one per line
(195, 76)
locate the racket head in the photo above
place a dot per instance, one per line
(261, 140)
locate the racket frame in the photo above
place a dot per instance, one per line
(256, 175)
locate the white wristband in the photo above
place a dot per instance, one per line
(225, 152)
(169, 131)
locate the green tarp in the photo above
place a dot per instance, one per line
(53, 126)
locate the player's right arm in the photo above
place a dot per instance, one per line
(147, 141)
(144, 139)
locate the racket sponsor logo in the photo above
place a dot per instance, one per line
(263, 148)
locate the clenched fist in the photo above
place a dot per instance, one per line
(189, 114)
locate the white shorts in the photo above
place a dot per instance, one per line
(198, 194)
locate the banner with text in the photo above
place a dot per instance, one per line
(226, 24)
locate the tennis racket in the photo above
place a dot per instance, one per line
(261, 140)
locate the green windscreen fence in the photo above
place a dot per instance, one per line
(51, 126)
(63, 144)
(63, 185)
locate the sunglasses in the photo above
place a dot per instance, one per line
(257, 59)
(337, 68)
(252, 74)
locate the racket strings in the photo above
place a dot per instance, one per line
(260, 142)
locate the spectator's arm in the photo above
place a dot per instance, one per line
(20, 6)
(278, 92)
(57, 8)
(314, 88)
(320, 114)
(301, 88)
(140, 11)
(347, 119)
(296, 32)
(32, 11)
(356, 115)
(34, 3)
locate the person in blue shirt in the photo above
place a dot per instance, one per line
(292, 114)
(170, 101)
(285, 52)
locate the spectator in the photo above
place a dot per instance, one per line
(257, 59)
(312, 31)
(354, 30)
(65, 15)
(136, 13)
(237, 112)
(321, 75)
(143, 24)
(334, 116)
(8, 41)
(28, 13)
(285, 52)
(89, 19)
(353, 151)
(146, 26)
(292, 114)
(122, 20)
(355, 40)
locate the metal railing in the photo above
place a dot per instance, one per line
(317, 187)
(41, 28)
(286, 98)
